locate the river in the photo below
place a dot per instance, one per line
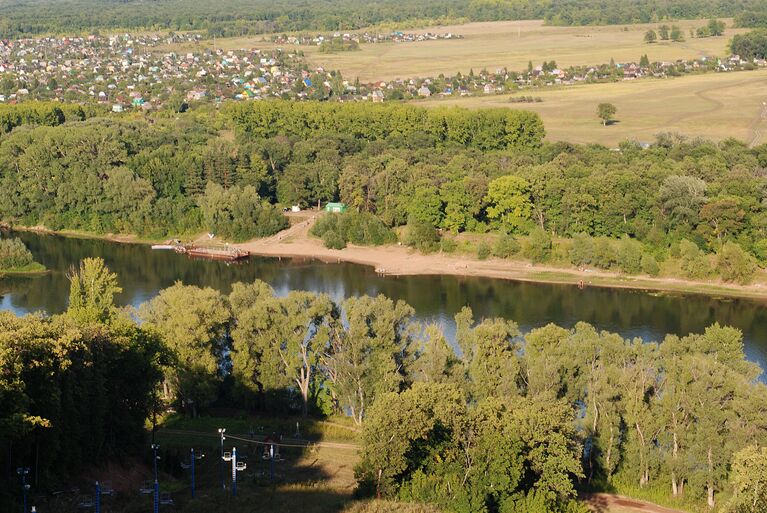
(143, 272)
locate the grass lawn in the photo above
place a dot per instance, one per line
(713, 105)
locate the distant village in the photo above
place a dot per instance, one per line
(363, 37)
(142, 72)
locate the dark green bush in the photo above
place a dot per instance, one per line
(483, 250)
(506, 246)
(333, 240)
(14, 254)
(422, 236)
(537, 247)
(359, 228)
(650, 265)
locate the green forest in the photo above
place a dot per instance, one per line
(690, 205)
(504, 422)
(239, 17)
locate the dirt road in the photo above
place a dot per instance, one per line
(608, 503)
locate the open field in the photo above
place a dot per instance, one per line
(498, 44)
(512, 44)
(714, 106)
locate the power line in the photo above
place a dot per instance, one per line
(307, 443)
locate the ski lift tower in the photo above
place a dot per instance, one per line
(237, 466)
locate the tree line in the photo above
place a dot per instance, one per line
(495, 420)
(239, 18)
(751, 45)
(436, 172)
(75, 389)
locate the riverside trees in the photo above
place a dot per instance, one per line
(74, 388)
(500, 421)
(449, 169)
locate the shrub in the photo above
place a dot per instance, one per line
(506, 246)
(333, 240)
(359, 228)
(422, 236)
(582, 250)
(693, 261)
(14, 254)
(630, 255)
(604, 254)
(448, 245)
(734, 264)
(537, 247)
(650, 265)
(483, 250)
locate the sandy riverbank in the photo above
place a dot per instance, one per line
(395, 260)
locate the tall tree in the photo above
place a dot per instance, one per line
(92, 288)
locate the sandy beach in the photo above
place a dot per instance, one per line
(397, 260)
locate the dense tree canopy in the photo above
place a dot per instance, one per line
(495, 420)
(238, 17)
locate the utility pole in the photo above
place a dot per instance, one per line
(221, 432)
(24, 472)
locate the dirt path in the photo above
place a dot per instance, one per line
(396, 260)
(607, 503)
(756, 130)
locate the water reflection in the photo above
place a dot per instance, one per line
(144, 272)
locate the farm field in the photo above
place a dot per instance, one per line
(510, 44)
(498, 44)
(714, 106)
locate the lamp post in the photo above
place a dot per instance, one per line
(97, 502)
(155, 447)
(221, 432)
(24, 472)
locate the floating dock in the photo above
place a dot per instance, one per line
(215, 253)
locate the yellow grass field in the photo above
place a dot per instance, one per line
(494, 45)
(713, 106)
(512, 44)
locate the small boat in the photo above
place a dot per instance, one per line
(163, 246)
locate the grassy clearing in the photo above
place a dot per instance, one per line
(714, 106)
(33, 268)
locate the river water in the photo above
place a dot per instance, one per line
(143, 272)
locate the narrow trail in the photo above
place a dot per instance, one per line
(605, 502)
(756, 127)
(300, 229)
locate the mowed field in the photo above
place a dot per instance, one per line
(714, 106)
(512, 44)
